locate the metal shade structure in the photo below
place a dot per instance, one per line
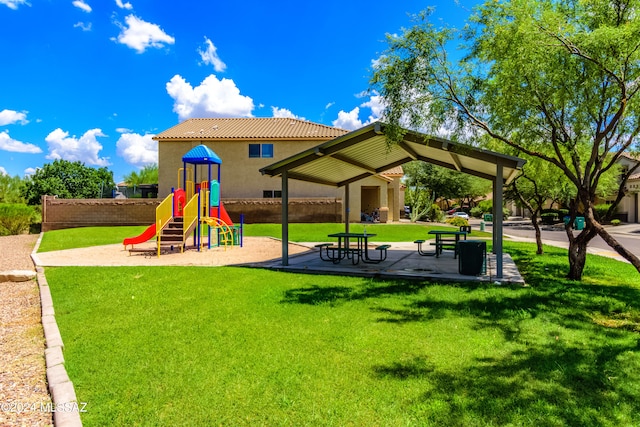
(366, 152)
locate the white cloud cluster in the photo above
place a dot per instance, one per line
(8, 117)
(126, 5)
(351, 120)
(9, 144)
(83, 26)
(84, 149)
(140, 35)
(210, 56)
(3, 171)
(13, 4)
(213, 98)
(80, 4)
(284, 113)
(138, 150)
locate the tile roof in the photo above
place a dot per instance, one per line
(249, 128)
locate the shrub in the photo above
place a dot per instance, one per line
(476, 212)
(549, 218)
(600, 212)
(615, 222)
(486, 206)
(457, 221)
(16, 218)
(435, 214)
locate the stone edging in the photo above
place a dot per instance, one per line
(63, 395)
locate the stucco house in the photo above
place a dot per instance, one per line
(245, 145)
(629, 207)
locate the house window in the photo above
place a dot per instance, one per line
(261, 150)
(271, 194)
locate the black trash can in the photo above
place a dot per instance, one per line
(471, 257)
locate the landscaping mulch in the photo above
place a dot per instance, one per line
(24, 398)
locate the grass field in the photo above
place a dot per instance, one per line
(236, 346)
(93, 236)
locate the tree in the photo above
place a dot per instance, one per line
(10, 189)
(68, 180)
(446, 184)
(147, 175)
(558, 81)
(539, 184)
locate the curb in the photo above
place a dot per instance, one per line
(65, 406)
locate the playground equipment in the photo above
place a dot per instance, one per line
(194, 208)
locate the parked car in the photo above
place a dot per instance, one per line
(461, 214)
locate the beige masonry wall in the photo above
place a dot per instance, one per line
(70, 213)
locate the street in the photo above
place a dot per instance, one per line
(627, 235)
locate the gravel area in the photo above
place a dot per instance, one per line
(23, 385)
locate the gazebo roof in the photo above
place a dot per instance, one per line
(201, 155)
(365, 152)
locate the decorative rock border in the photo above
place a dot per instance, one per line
(65, 406)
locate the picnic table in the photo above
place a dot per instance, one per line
(345, 249)
(445, 239)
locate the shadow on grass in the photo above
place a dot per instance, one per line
(581, 366)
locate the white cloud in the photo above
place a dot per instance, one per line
(123, 130)
(138, 150)
(84, 149)
(351, 120)
(376, 104)
(284, 113)
(348, 121)
(83, 26)
(329, 105)
(13, 4)
(8, 117)
(210, 56)
(80, 4)
(213, 98)
(140, 35)
(3, 171)
(9, 144)
(29, 171)
(126, 5)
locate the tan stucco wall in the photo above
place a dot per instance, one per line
(240, 176)
(241, 179)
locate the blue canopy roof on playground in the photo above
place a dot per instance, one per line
(201, 155)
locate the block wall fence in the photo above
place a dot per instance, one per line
(70, 213)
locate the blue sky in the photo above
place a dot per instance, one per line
(94, 80)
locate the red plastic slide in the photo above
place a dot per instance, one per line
(147, 234)
(224, 216)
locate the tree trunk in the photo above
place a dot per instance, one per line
(611, 241)
(536, 226)
(577, 258)
(578, 246)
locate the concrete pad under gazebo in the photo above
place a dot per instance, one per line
(366, 152)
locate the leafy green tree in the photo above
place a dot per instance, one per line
(10, 189)
(539, 184)
(446, 184)
(558, 81)
(147, 175)
(68, 180)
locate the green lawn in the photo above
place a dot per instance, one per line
(236, 346)
(93, 236)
